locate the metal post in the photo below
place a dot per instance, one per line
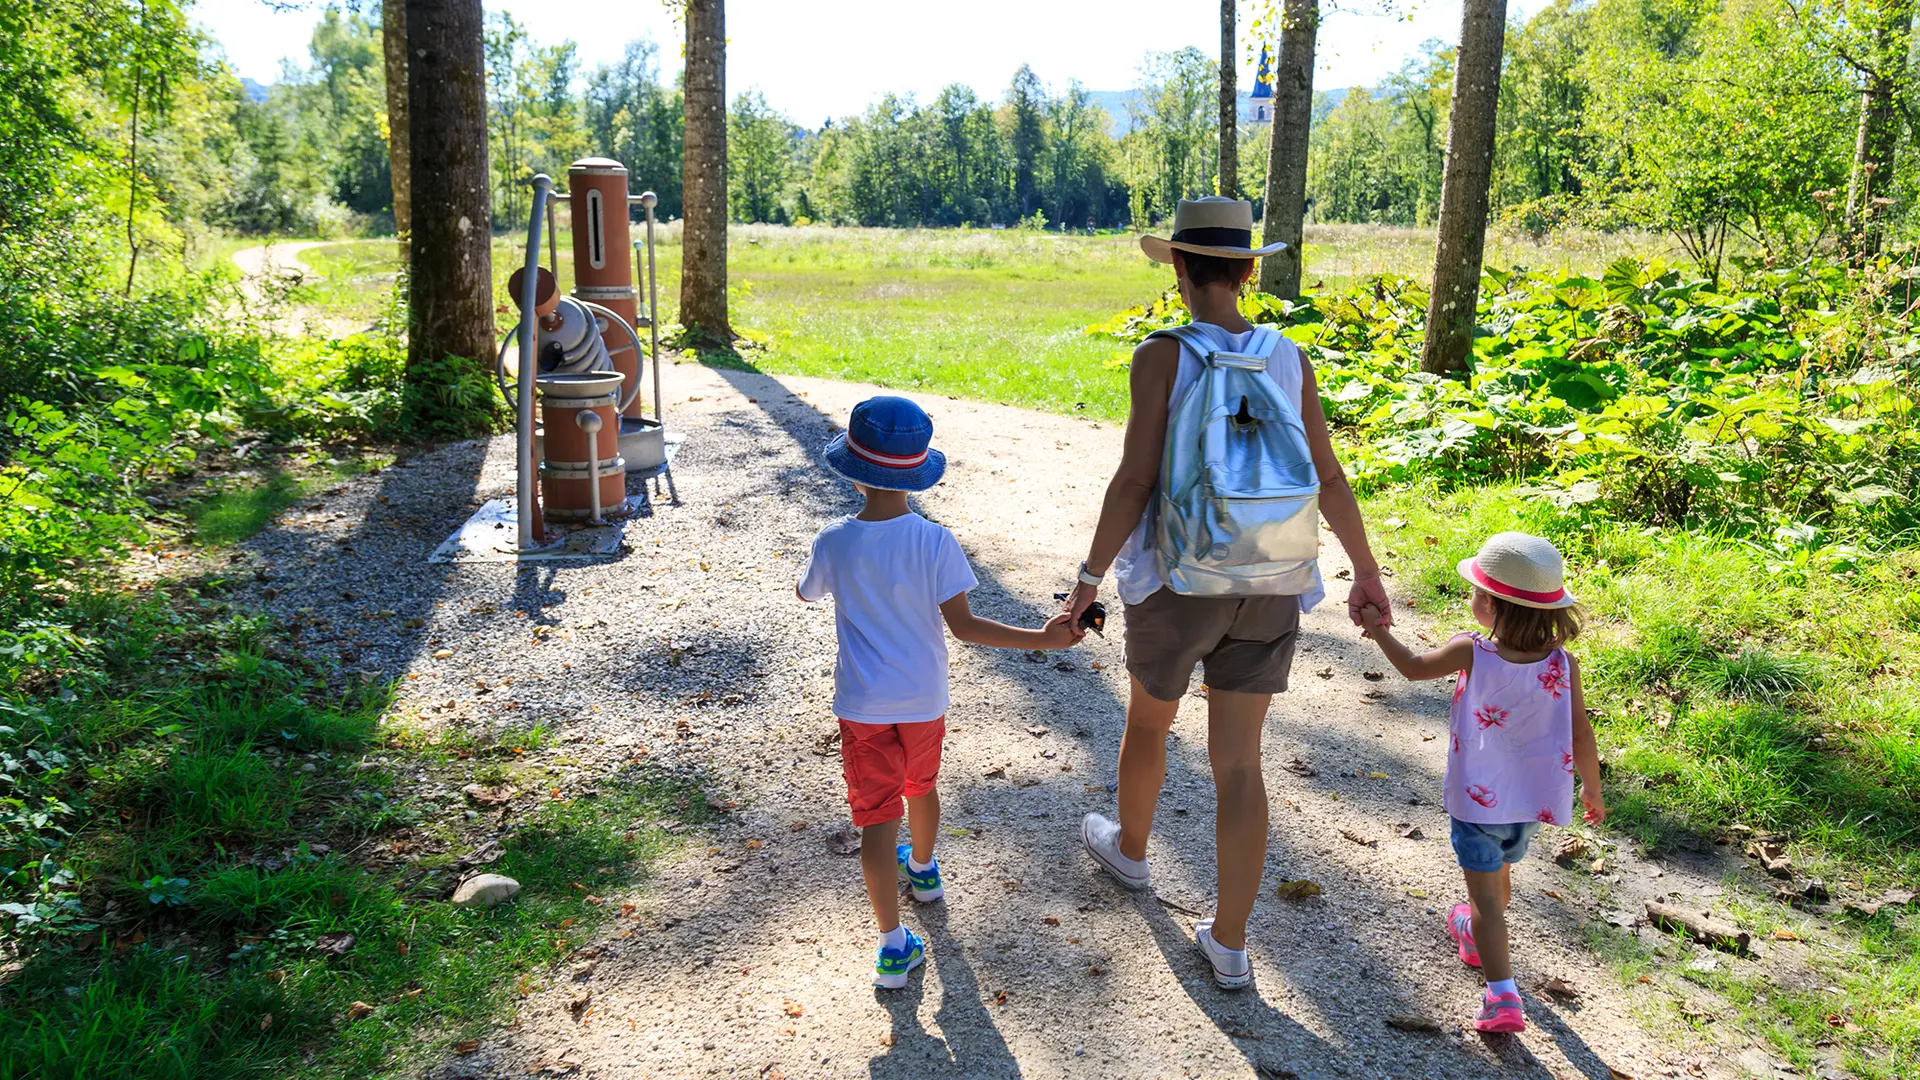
(553, 246)
(529, 285)
(589, 422)
(647, 201)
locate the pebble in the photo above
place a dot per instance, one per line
(485, 891)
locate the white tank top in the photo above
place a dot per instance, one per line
(1136, 572)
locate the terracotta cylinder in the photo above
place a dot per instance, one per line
(603, 255)
(568, 449)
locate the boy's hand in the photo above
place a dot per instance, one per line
(1061, 633)
(1596, 807)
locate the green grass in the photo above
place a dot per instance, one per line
(223, 778)
(229, 510)
(996, 315)
(1732, 695)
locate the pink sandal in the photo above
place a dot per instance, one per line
(1502, 1013)
(1460, 929)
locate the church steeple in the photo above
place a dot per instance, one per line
(1262, 96)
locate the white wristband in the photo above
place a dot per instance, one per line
(1088, 577)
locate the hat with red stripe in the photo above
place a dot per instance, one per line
(1522, 569)
(885, 446)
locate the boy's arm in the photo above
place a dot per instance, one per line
(1455, 655)
(812, 585)
(1586, 748)
(1059, 632)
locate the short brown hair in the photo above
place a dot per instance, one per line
(1212, 269)
(1531, 629)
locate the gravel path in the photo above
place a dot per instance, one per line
(750, 955)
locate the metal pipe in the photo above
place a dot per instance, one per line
(528, 507)
(553, 246)
(648, 200)
(589, 422)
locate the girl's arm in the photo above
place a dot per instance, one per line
(1455, 655)
(1057, 634)
(1586, 749)
(1149, 384)
(1341, 509)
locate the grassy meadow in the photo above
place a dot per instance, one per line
(990, 314)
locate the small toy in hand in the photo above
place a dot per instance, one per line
(1094, 618)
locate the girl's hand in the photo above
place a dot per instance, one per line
(1372, 618)
(1596, 807)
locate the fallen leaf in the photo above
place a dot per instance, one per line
(1555, 986)
(1378, 776)
(336, 943)
(1358, 839)
(1298, 890)
(1037, 730)
(357, 1010)
(886, 1038)
(1325, 672)
(1897, 897)
(483, 795)
(1414, 1022)
(467, 1046)
(442, 654)
(578, 1006)
(1000, 998)
(1373, 676)
(1300, 768)
(1417, 894)
(266, 1022)
(793, 1008)
(1095, 970)
(1051, 920)
(1073, 941)
(1413, 833)
(1785, 935)
(1617, 1074)
(845, 842)
(1426, 736)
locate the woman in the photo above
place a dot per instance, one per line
(1245, 643)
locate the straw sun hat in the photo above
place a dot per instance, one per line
(1214, 225)
(1520, 569)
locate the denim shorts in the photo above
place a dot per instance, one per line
(1485, 848)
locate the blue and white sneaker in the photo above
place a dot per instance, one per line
(891, 966)
(925, 883)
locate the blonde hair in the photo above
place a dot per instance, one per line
(1530, 629)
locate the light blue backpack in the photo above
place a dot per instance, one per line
(1239, 502)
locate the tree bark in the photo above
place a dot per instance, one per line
(1878, 138)
(394, 41)
(1464, 187)
(703, 239)
(1229, 106)
(451, 279)
(1285, 206)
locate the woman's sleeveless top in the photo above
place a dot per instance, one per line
(1136, 573)
(1511, 758)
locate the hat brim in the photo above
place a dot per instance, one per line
(852, 467)
(1465, 568)
(1160, 249)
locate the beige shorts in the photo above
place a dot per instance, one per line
(1245, 642)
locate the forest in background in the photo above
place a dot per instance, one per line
(1602, 110)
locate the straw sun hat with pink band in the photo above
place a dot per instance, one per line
(1521, 569)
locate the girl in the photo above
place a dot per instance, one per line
(1520, 733)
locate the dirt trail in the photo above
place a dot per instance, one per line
(751, 956)
(282, 261)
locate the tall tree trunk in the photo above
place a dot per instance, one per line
(1878, 138)
(451, 279)
(1464, 187)
(1229, 106)
(1285, 205)
(394, 39)
(703, 237)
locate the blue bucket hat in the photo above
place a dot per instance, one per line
(885, 447)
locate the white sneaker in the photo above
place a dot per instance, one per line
(1231, 969)
(1102, 838)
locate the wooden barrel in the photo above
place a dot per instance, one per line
(569, 451)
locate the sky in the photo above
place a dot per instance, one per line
(832, 58)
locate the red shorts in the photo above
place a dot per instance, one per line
(883, 762)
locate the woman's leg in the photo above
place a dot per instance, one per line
(1234, 724)
(1143, 767)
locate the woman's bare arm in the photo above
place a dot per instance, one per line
(1338, 505)
(1149, 384)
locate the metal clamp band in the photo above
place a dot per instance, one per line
(578, 470)
(555, 402)
(606, 292)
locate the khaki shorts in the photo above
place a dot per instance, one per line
(1245, 642)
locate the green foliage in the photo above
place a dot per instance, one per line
(1781, 404)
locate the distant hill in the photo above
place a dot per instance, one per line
(1115, 102)
(256, 91)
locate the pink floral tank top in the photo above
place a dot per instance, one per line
(1511, 758)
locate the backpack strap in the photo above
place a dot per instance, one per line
(1204, 345)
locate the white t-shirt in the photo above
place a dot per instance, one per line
(888, 580)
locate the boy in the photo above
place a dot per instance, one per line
(894, 576)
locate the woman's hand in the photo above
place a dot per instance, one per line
(1079, 599)
(1369, 591)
